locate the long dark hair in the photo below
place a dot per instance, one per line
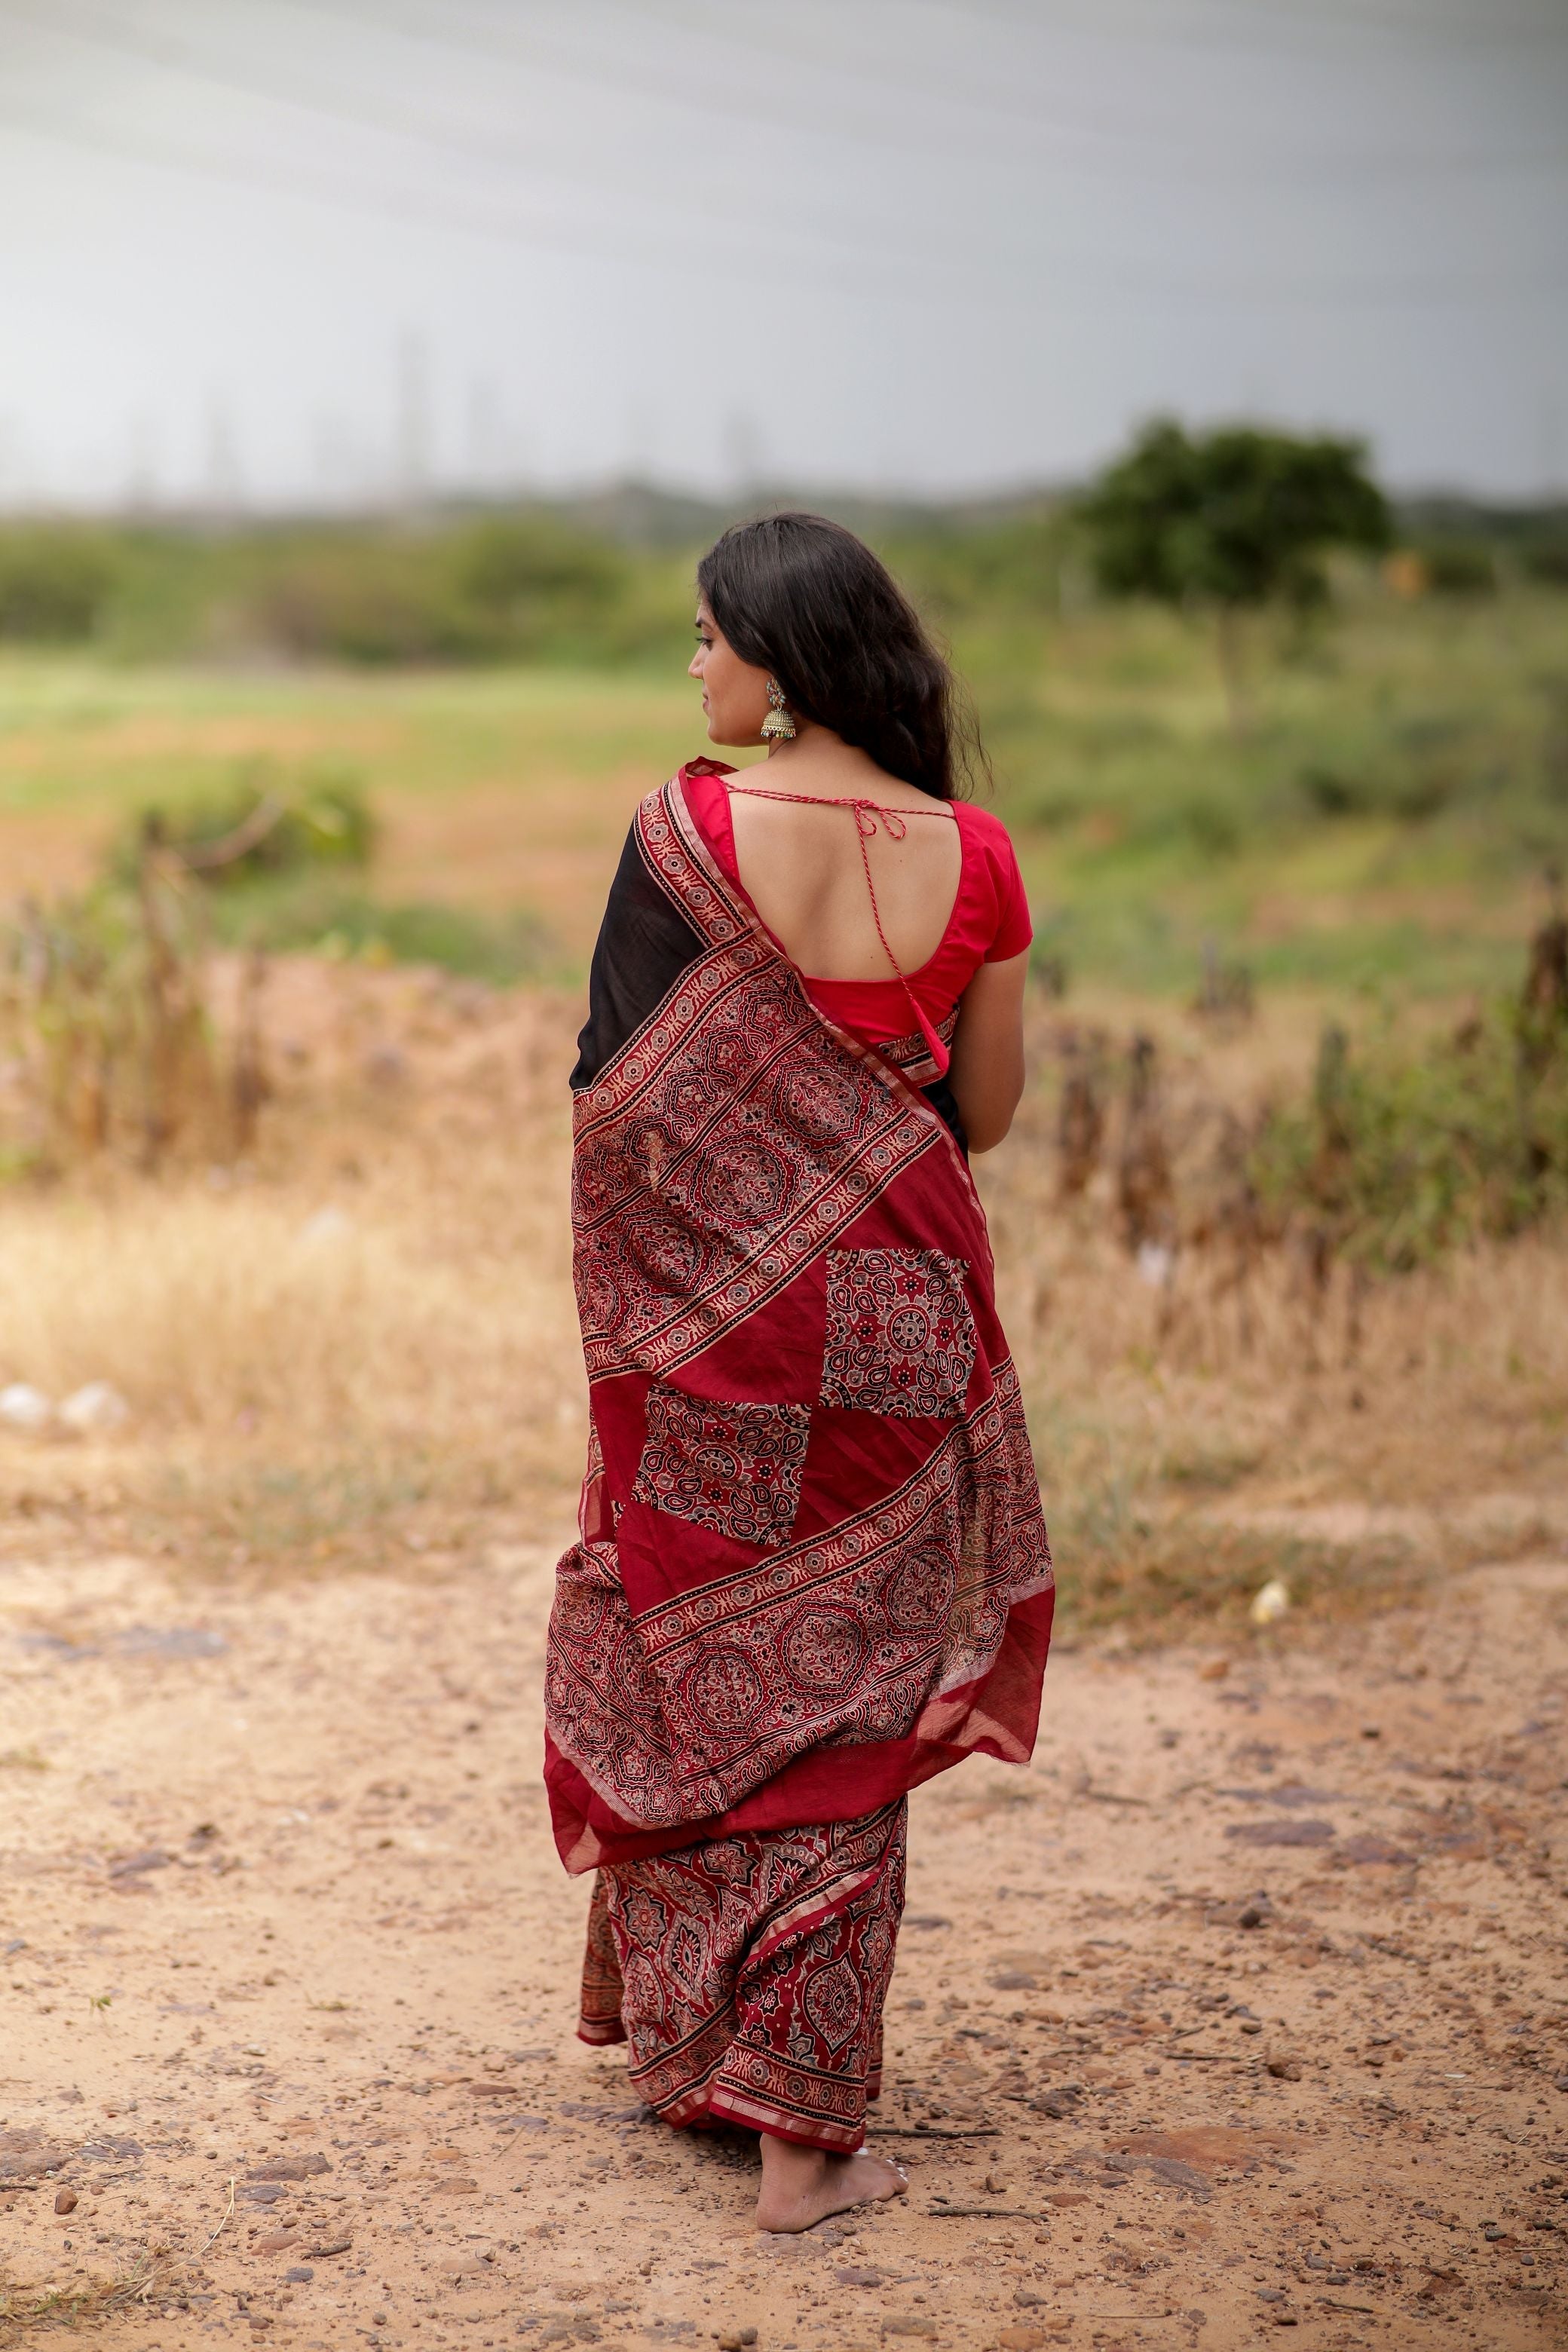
(805, 599)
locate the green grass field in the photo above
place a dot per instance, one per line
(1385, 823)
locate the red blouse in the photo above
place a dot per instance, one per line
(989, 922)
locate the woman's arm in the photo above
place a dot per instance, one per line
(987, 1072)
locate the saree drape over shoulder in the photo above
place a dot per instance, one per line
(812, 1569)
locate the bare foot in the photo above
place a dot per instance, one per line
(802, 2185)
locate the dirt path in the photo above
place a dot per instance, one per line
(1251, 1991)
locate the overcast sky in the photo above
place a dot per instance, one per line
(330, 250)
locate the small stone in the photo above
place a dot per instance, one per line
(327, 1225)
(1057, 2104)
(133, 1865)
(288, 2168)
(856, 2278)
(1021, 2339)
(1251, 2025)
(1284, 2067)
(1372, 1731)
(1027, 2300)
(1251, 1917)
(1216, 1671)
(278, 2243)
(95, 1411)
(25, 1409)
(65, 2202)
(1313, 1833)
(1270, 1602)
(301, 2276)
(332, 2246)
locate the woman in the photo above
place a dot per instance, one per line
(812, 1569)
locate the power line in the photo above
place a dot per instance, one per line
(551, 235)
(1134, 140)
(308, 92)
(1252, 25)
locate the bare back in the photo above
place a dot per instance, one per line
(801, 866)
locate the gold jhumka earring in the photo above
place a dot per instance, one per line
(778, 725)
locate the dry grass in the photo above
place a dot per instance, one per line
(153, 2282)
(372, 1322)
(366, 1341)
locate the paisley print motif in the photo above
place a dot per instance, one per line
(900, 1337)
(731, 1467)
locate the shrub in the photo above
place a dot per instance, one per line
(55, 583)
(371, 602)
(1394, 1159)
(103, 1007)
(534, 582)
(1458, 567)
(1547, 561)
(258, 824)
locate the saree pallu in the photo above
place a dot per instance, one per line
(812, 1568)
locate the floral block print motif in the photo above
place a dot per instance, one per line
(901, 1337)
(748, 1973)
(734, 1468)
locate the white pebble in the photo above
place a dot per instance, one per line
(24, 1408)
(1270, 1602)
(327, 1225)
(95, 1409)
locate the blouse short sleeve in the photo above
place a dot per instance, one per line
(1013, 928)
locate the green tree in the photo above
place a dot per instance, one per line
(1228, 522)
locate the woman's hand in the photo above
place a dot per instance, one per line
(988, 1069)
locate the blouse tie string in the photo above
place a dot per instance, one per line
(868, 815)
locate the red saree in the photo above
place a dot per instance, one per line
(812, 1568)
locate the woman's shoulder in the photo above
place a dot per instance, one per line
(987, 835)
(983, 825)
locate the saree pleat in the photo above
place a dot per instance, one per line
(812, 1568)
(748, 1974)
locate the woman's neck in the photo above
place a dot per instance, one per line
(820, 764)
